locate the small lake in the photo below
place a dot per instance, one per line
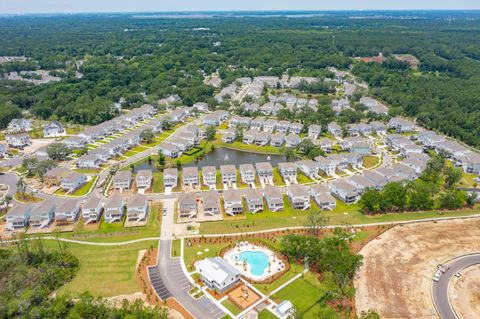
(224, 156)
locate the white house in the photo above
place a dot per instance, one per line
(299, 196)
(265, 172)
(217, 274)
(314, 131)
(209, 175)
(137, 208)
(288, 172)
(187, 205)
(19, 126)
(229, 175)
(113, 208)
(211, 203)
(170, 177)
(254, 200)
(321, 195)
(190, 177)
(247, 173)
(18, 140)
(308, 167)
(54, 129)
(144, 179)
(67, 212)
(344, 191)
(18, 217)
(273, 198)
(92, 210)
(42, 214)
(232, 202)
(122, 180)
(73, 181)
(169, 150)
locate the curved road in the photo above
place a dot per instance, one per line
(440, 288)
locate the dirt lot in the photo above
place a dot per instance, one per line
(398, 266)
(465, 293)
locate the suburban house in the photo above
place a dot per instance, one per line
(190, 177)
(321, 195)
(270, 125)
(452, 148)
(229, 136)
(378, 127)
(277, 139)
(273, 198)
(211, 203)
(217, 274)
(215, 118)
(378, 180)
(18, 217)
(374, 105)
(54, 129)
(314, 131)
(247, 173)
(42, 214)
(416, 163)
(54, 176)
(299, 196)
(209, 175)
(296, 128)
(288, 171)
(92, 210)
(192, 138)
(144, 179)
(200, 107)
(122, 180)
(232, 200)
(169, 150)
(257, 124)
(401, 125)
(113, 208)
(73, 181)
(67, 213)
(89, 161)
(102, 153)
(363, 148)
(361, 183)
(137, 208)
(229, 175)
(20, 140)
(19, 126)
(187, 205)
(239, 121)
(265, 172)
(334, 129)
(429, 139)
(344, 191)
(285, 309)
(283, 127)
(170, 177)
(404, 171)
(75, 142)
(254, 200)
(182, 144)
(326, 145)
(308, 167)
(262, 138)
(249, 136)
(292, 140)
(469, 162)
(406, 150)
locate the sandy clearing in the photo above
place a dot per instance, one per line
(465, 293)
(396, 275)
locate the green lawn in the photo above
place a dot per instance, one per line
(265, 314)
(176, 246)
(370, 161)
(468, 180)
(130, 153)
(21, 170)
(157, 184)
(85, 188)
(343, 213)
(277, 178)
(303, 179)
(294, 270)
(197, 252)
(104, 271)
(237, 145)
(306, 294)
(87, 171)
(231, 306)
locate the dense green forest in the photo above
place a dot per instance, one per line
(30, 274)
(123, 56)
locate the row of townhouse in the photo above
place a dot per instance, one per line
(183, 141)
(351, 188)
(216, 118)
(276, 139)
(462, 156)
(62, 177)
(255, 200)
(374, 105)
(357, 129)
(123, 180)
(330, 164)
(357, 144)
(66, 212)
(266, 125)
(404, 145)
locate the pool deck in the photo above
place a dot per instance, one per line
(275, 265)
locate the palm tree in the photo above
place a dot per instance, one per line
(7, 200)
(22, 186)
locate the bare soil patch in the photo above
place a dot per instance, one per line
(465, 293)
(398, 266)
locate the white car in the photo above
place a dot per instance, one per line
(437, 275)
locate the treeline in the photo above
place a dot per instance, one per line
(435, 189)
(332, 258)
(30, 274)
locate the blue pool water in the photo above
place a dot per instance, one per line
(257, 260)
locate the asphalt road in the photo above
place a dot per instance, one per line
(440, 288)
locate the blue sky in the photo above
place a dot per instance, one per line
(72, 6)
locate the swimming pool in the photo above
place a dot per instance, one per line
(257, 260)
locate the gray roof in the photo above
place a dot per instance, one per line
(190, 171)
(67, 206)
(228, 169)
(247, 167)
(232, 195)
(92, 202)
(137, 200)
(287, 166)
(122, 175)
(209, 170)
(56, 171)
(114, 201)
(264, 166)
(298, 190)
(272, 191)
(170, 171)
(187, 199)
(20, 209)
(144, 173)
(253, 195)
